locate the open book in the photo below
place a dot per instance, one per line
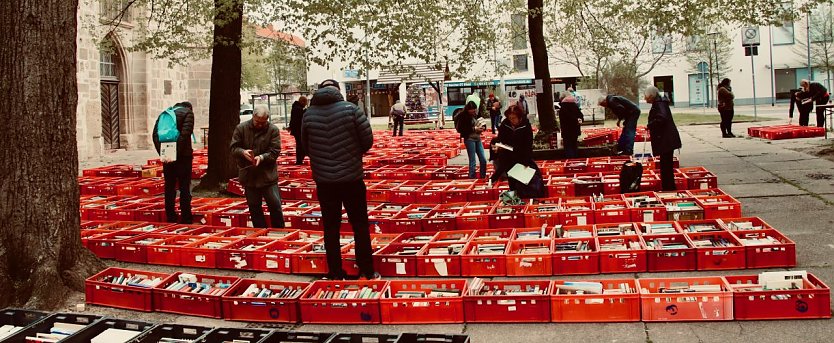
(521, 173)
(503, 146)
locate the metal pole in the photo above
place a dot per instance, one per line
(367, 86)
(772, 72)
(808, 45)
(753, 72)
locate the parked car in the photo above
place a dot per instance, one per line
(245, 115)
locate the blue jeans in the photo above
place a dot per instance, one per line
(626, 141)
(473, 147)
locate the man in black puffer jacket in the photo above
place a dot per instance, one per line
(335, 134)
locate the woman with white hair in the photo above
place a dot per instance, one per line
(664, 135)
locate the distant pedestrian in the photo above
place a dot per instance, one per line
(256, 144)
(178, 172)
(664, 135)
(298, 108)
(628, 113)
(522, 102)
(494, 106)
(397, 114)
(725, 108)
(336, 134)
(570, 120)
(816, 92)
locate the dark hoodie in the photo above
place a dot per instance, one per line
(335, 134)
(664, 134)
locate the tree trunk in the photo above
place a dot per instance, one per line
(541, 68)
(41, 256)
(224, 102)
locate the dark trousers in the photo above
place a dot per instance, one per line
(667, 171)
(299, 150)
(496, 121)
(331, 198)
(273, 204)
(571, 146)
(821, 111)
(727, 121)
(398, 123)
(626, 141)
(804, 113)
(178, 173)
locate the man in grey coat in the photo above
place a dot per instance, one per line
(336, 133)
(255, 146)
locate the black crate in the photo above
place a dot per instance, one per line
(108, 323)
(298, 337)
(172, 331)
(225, 335)
(432, 338)
(44, 325)
(20, 318)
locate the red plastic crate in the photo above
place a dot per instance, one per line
(622, 261)
(103, 293)
(722, 206)
(456, 193)
(168, 251)
(305, 261)
(253, 309)
(135, 249)
(202, 305)
(509, 308)
(440, 219)
(277, 257)
(481, 191)
(689, 306)
(812, 301)
(430, 194)
(624, 307)
(538, 215)
(576, 213)
(203, 253)
(611, 212)
(104, 246)
(473, 218)
(718, 258)
(429, 310)
(341, 311)
(506, 216)
(408, 220)
(473, 264)
(388, 263)
(529, 264)
(439, 265)
(457, 236)
(781, 252)
(484, 236)
(664, 259)
(560, 186)
(572, 262)
(241, 254)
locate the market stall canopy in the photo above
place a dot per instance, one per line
(410, 73)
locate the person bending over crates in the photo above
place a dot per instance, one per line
(627, 113)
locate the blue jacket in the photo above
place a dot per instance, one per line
(335, 134)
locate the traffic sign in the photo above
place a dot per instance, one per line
(750, 36)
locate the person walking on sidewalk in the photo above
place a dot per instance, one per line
(664, 135)
(335, 134)
(815, 92)
(255, 146)
(725, 108)
(627, 113)
(178, 172)
(397, 114)
(298, 108)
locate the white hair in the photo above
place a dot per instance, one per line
(260, 112)
(652, 92)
